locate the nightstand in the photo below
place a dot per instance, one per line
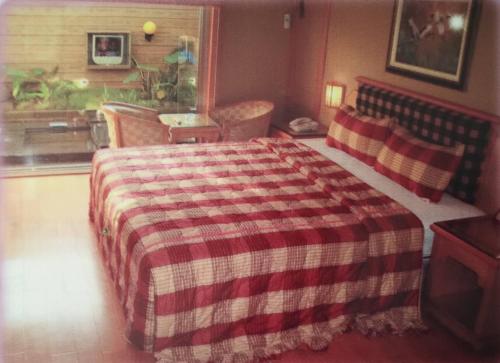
(281, 130)
(463, 290)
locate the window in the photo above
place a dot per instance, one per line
(52, 92)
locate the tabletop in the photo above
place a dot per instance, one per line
(480, 232)
(187, 120)
(282, 125)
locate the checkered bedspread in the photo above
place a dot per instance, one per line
(238, 251)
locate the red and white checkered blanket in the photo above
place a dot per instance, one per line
(238, 251)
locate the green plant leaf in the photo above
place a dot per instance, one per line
(16, 88)
(132, 77)
(31, 96)
(148, 68)
(44, 91)
(37, 72)
(15, 73)
(171, 58)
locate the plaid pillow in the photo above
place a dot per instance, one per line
(437, 125)
(424, 168)
(358, 135)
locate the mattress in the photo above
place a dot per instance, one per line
(429, 213)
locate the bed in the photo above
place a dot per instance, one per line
(448, 208)
(241, 251)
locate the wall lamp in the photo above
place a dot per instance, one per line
(149, 30)
(334, 94)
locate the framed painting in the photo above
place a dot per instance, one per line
(107, 50)
(430, 40)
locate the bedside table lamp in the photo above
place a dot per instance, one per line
(334, 94)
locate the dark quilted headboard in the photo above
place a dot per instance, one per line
(435, 124)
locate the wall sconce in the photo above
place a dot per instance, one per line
(334, 94)
(149, 30)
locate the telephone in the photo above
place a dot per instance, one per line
(303, 124)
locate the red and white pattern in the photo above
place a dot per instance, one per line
(238, 251)
(358, 135)
(424, 168)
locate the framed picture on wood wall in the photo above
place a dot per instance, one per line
(430, 40)
(108, 50)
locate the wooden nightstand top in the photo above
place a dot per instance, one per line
(481, 232)
(283, 126)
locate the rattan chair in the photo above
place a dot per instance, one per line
(244, 120)
(131, 125)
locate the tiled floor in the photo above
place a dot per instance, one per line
(60, 306)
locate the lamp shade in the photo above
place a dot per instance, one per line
(149, 28)
(334, 94)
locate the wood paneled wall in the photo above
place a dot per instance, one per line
(55, 35)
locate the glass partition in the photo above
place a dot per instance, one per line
(61, 62)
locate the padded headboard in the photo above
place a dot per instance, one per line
(433, 122)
